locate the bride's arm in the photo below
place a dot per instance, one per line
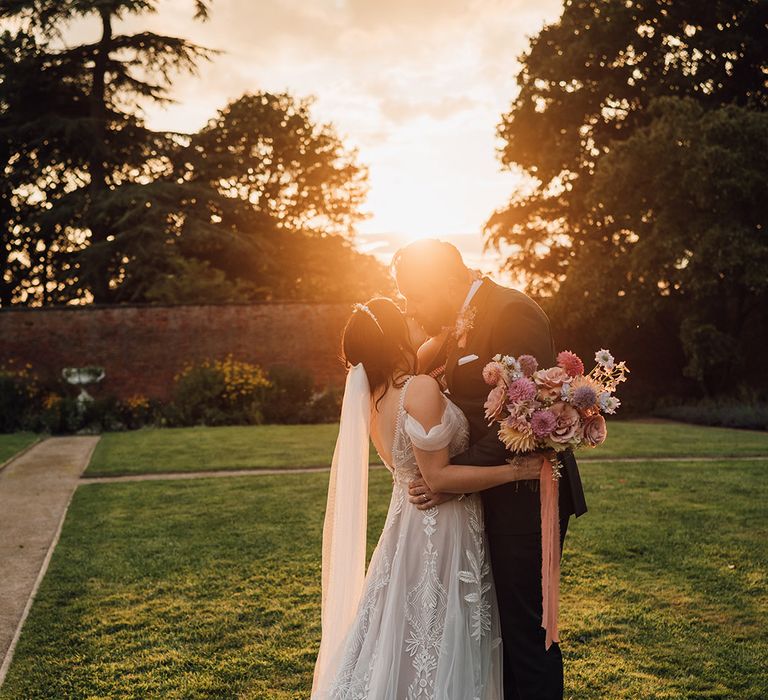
(426, 405)
(440, 476)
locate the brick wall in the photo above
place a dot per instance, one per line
(142, 347)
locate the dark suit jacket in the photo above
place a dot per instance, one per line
(507, 322)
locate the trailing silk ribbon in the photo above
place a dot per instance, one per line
(550, 552)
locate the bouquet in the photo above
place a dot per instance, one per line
(558, 408)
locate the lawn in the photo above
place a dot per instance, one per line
(284, 446)
(12, 443)
(210, 588)
(227, 447)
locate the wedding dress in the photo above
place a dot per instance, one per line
(427, 624)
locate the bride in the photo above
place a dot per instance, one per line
(423, 622)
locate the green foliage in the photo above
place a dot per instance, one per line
(94, 205)
(325, 406)
(751, 415)
(293, 399)
(88, 183)
(19, 397)
(290, 393)
(642, 127)
(219, 392)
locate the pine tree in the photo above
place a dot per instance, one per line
(88, 183)
(261, 203)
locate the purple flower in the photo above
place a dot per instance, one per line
(584, 397)
(522, 389)
(543, 423)
(528, 364)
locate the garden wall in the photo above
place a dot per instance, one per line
(143, 347)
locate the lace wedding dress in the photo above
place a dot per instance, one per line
(427, 625)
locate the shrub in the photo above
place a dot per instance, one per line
(728, 413)
(218, 392)
(288, 396)
(325, 407)
(19, 396)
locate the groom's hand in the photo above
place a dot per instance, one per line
(420, 495)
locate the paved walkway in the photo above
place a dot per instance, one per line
(215, 473)
(35, 490)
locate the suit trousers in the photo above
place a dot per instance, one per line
(530, 671)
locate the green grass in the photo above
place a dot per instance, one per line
(202, 448)
(284, 446)
(12, 443)
(210, 588)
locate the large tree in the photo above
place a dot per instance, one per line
(582, 131)
(284, 194)
(96, 206)
(88, 174)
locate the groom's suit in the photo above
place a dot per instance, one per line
(507, 322)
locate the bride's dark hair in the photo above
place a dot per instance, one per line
(382, 344)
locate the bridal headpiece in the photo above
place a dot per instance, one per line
(365, 309)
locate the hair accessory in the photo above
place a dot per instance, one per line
(363, 307)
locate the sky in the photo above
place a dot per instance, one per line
(416, 86)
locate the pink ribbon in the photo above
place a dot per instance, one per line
(550, 552)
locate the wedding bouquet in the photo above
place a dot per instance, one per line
(558, 408)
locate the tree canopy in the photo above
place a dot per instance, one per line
(97, 206)
(641, 127)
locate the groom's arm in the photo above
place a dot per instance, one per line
(521, 329)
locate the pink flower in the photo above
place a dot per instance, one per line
(543, 423)
(571, 363)
(566, 423)
(549, 381)
(494, 405)
(595, 430)
(528, 364)
(493, 373)
(522, 389)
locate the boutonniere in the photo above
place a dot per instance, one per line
(464, 324)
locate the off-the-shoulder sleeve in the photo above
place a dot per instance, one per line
(438, 437)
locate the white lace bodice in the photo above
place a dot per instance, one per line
(452, 432)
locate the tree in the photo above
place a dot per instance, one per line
(285, 196)
(97, 206)
(587, 84)
(683, 218)
(88, 175)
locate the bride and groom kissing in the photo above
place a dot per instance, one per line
(451, 605)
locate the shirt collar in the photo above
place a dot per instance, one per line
(471, 293)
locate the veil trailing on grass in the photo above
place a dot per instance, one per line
(344, 530)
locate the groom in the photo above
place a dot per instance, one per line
(488, 319)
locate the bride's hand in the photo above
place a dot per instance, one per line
(527, 467)
(420, 495)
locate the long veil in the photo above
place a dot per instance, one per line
(345, 526)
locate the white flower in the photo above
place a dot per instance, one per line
(565, 391)
(604, 359)
(608, 404)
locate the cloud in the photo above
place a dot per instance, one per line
(417, 85)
